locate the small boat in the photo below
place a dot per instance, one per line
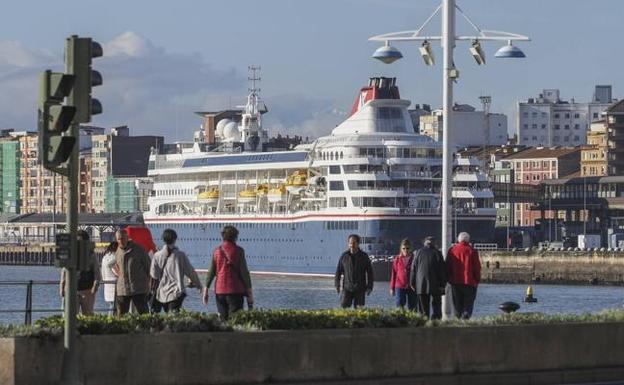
(247, 196)
(262, 190)
(297, 181)
(210, 196)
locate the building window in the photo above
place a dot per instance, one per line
(566, 127)
(595, 115)
(577, 126)
(556, 116)
(567, 115)
(576, 116)
(543, 126)
(557, 127)
(534, 114)
(534, 126)
(543, 115)
(566, 138)
(525, 114)
(526, 126)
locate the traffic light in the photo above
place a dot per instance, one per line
(79, 52)
(54, 120)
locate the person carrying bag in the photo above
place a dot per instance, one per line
(168, 271)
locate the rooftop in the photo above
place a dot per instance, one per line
(543, 152)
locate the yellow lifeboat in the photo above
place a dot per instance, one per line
(297, 179)
(247, 196)
(277, 194)
(262, 190)
(210, 196)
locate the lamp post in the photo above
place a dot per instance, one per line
(389, 54)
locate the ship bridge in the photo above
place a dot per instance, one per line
(378, 108)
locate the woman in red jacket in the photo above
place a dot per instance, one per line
(399, 278)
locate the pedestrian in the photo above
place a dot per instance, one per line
(428, 278)
(109, 275)
(464, 273)
(88, 280)
(229, 268)
(356, 272)
(399, 278)
(133, 265)
(170, 267)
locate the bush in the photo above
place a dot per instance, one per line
(326, 319)
(140, 323)
(52, 327)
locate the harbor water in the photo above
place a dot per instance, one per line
(278, 292)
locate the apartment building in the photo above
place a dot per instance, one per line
(550, 121)
(595, 153)
(470, 126)
(535, 165)
(41, 190)
(9, 174)
(118, 161)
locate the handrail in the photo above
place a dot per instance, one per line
(28, 308)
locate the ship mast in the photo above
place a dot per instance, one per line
(252, 134)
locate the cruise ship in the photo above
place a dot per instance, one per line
(372, 176)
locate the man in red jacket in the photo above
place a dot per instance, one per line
(464, 273)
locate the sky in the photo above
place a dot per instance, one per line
(164, 60)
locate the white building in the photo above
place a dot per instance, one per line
(550, 121)
(470, 126)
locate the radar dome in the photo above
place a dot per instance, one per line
(220, 125)
(230, 132)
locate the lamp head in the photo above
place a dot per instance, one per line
(509, 51)
(427, 53)
(387, 54)
(477, 52)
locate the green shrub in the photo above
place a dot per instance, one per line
(184, 321)
(28, 331)
(140, 323)
(326, 319)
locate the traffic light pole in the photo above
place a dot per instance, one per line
(64, 102)
(71, 359)
(71, 368)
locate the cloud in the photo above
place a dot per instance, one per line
(145, 87)
(302, 115)
(154, 91)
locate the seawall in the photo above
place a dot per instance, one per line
(556, 267)
(535, 354)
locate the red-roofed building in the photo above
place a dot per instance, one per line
(533, 165)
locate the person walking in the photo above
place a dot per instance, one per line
(356, 272)
(109, 275)
(133, 265)
(428, 278)
(464, 273)
(229, 268)
(169, 268)
(88, 280)
(399, 277)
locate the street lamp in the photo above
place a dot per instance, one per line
(450, 73)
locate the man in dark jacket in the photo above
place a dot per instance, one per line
(357, 270)
(428, 278)
(464, 273)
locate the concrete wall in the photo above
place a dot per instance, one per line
(569, 267)
(527, 353)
